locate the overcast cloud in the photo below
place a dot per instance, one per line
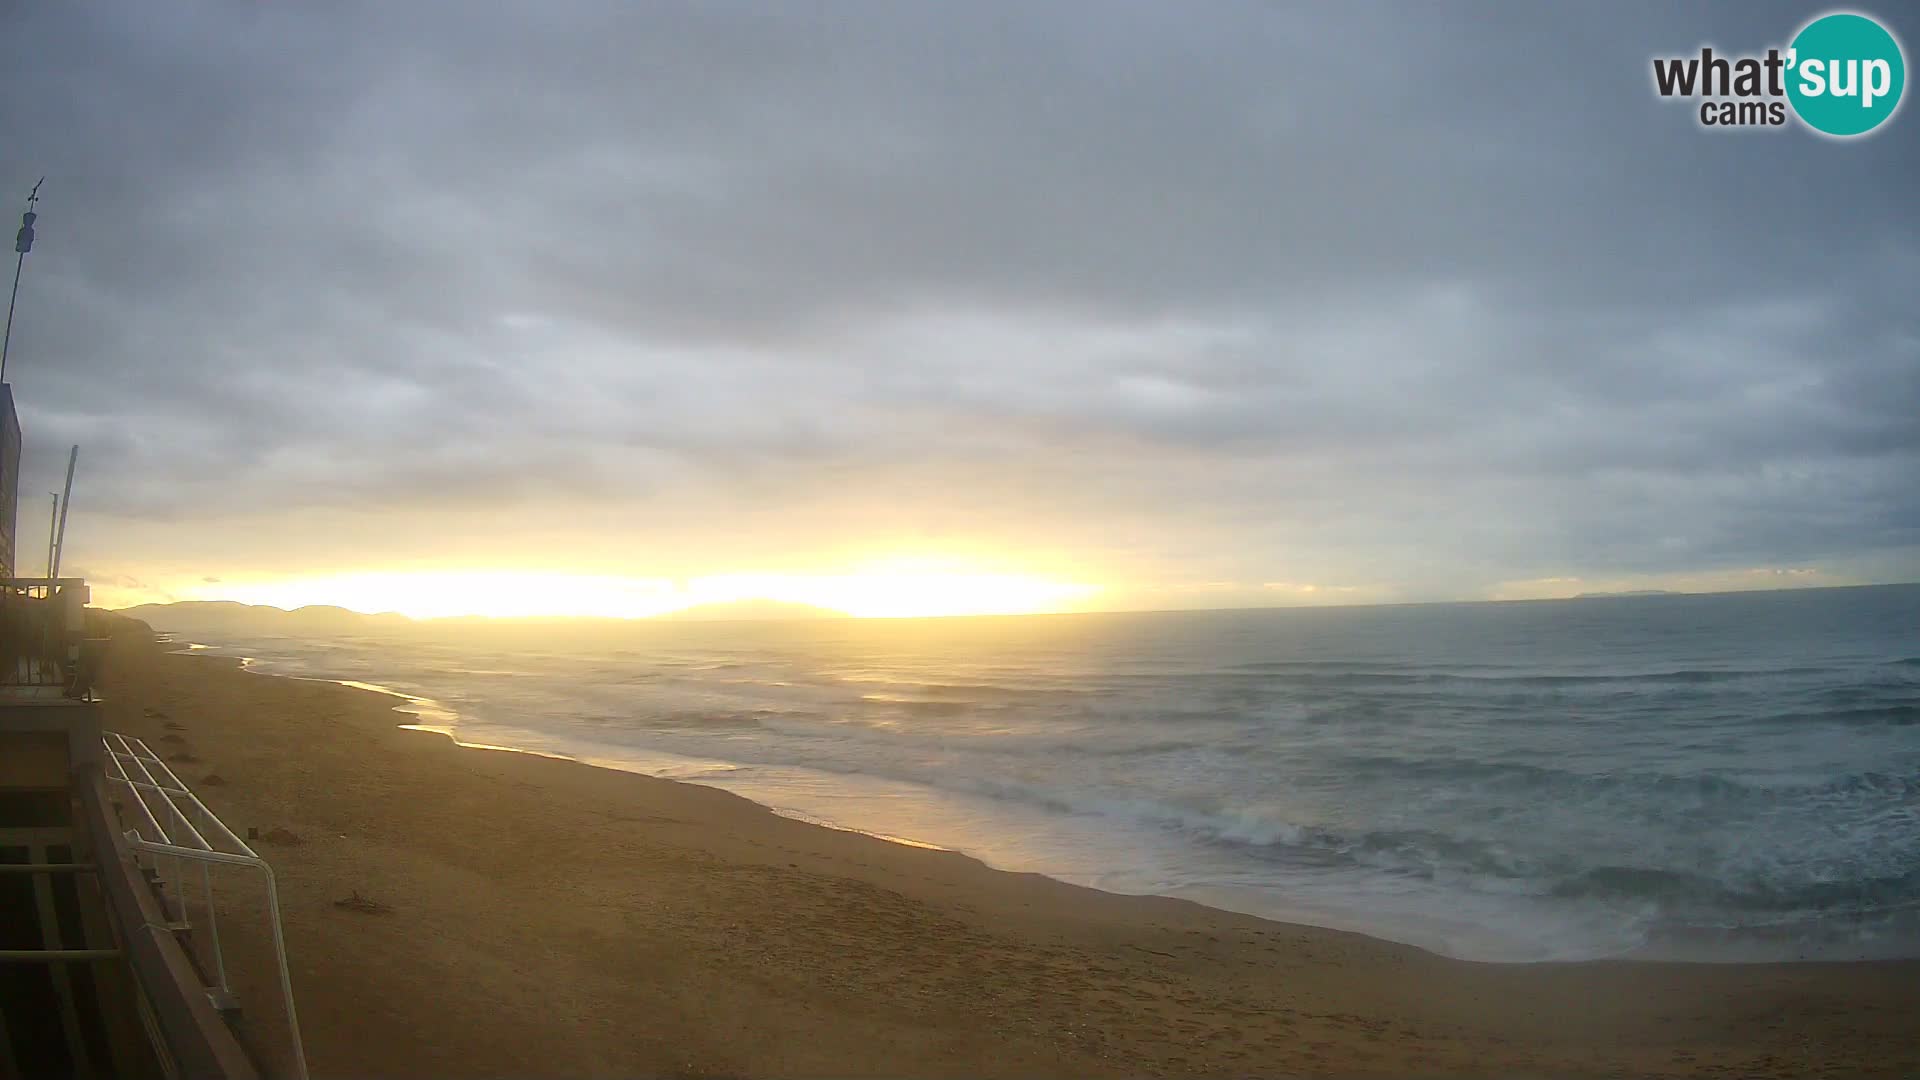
(1190, 299)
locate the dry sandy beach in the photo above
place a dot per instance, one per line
(553, 919)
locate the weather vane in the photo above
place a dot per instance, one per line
(22, 243)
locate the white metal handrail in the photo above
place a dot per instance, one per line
(180, 830)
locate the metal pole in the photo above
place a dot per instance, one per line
(53, 519)
(7, 342)
(21, 245)
(66, 502)
(213, 927)
(286, 979)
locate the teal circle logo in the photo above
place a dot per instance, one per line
(1845, 74)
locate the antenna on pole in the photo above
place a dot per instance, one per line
(66, 502)
(22, 243)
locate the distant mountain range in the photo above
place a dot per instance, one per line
(228, 617)
(1629, 592)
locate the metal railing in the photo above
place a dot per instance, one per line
(172, 824)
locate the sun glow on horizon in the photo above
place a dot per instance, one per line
(886, 591)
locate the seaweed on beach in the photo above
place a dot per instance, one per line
(364, 904)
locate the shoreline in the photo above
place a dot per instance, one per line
(548, 919)
(246, 664)
(433, 716)
(1205, 896)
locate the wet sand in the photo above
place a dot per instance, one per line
(546, 918)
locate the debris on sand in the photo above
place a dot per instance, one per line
(171, 726)
(212, 779)
(363, 904)
(281, 836)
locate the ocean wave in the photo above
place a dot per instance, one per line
(1875, 879)
(1261, 667)
(1569, 781)
(959, 692)
(1364, 678)
(1896, 715)
(697, 720)
(1684, 889)
(929, 706)
(879, 746)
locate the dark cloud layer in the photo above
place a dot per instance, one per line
(1426, 297)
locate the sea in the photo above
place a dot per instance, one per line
(1730, 777)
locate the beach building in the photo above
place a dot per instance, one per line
(110, 959)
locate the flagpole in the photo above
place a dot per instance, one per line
(22, 243)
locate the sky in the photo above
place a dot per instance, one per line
(925, 309)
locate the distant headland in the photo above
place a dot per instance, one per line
(227, 616)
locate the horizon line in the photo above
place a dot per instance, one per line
(833, 615)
